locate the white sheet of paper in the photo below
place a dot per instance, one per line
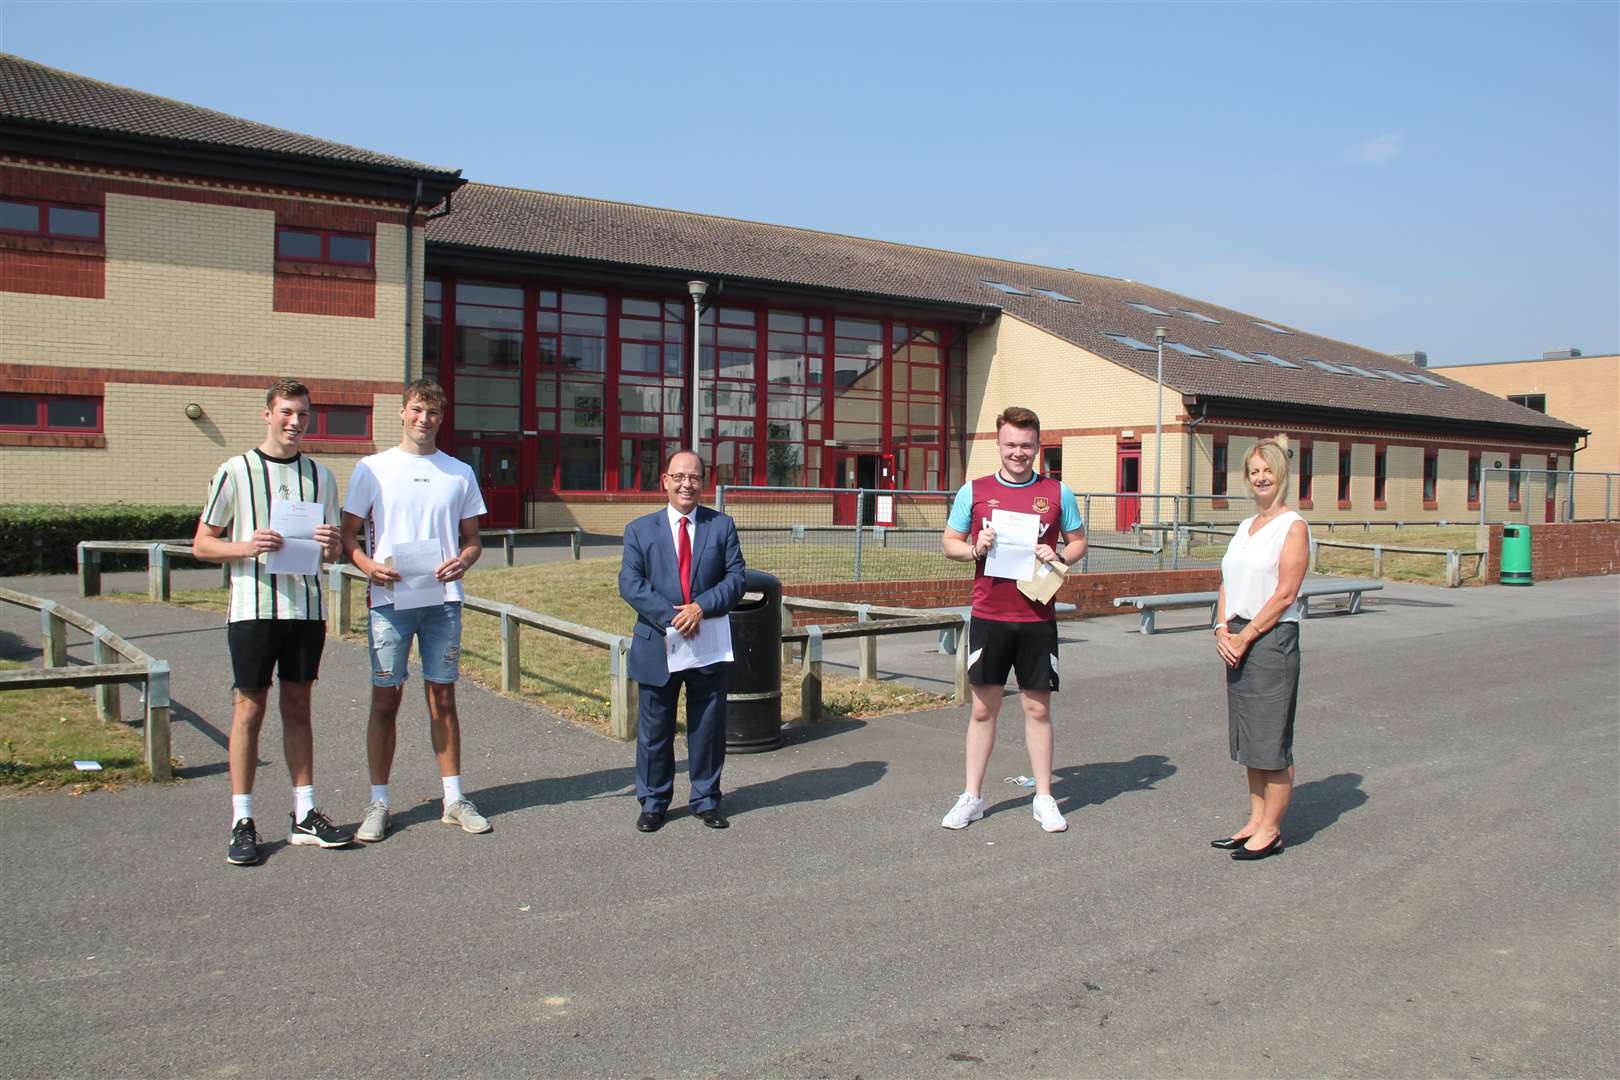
(416, 561)
(299, 553)
(711, 645)
(87, 766)
(1013, 553)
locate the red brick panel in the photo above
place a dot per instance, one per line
(309, 294)
(52, 379)
(1575, 549)
(52, 273)
(1092, 594)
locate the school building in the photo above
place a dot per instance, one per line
(160, 263)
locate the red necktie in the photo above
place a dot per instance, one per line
(685, 554)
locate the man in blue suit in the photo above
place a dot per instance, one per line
(681, 564)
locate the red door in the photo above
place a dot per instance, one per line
(1128, 482)
(1552, 490)
(496, 466)
(850, 472)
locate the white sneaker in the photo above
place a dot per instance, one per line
(375, 824)
(968, 808)
(462, 812)
(1047, 813)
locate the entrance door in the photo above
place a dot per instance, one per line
(496, 466)
(1128, 482)
(849, 472)
(1552, 490)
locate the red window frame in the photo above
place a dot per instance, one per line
(1431, 479)
(1307, 464)
(326, 258)
(1052, 461)
(1344, 477)
(42, 403)
(1476, 476)
(318, 422)
(1515, 483)
(1380, 477)
(44, 229)
(1219, 463)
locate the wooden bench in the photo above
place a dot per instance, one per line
(1350, 588)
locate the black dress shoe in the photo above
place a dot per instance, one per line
(1228, 843)
(713, 819)
(1243, 854)
(650, 821)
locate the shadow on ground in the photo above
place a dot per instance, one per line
(1080, 786)
(1318, 805)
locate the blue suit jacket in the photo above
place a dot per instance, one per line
(649, 581)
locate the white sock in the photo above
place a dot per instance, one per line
(379, 793)
(303, 801)
(241, 807)
(452, 790)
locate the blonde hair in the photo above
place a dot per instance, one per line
(1274, 451)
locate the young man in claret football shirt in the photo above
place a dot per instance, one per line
(1009, 631)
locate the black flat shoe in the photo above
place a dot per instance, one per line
(1229, 843)
(713, 819)
(650, 821)
(1243, 854)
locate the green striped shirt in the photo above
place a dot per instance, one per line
(239, 501)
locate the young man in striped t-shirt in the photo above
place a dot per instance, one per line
(277, 621)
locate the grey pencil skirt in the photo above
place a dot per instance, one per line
(1261, 695)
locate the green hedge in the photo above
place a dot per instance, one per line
(38, 539)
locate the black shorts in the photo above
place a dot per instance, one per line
(996, 648)
(260, 646)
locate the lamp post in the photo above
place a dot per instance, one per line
(1158, 421)
(698, 289)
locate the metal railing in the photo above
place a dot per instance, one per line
(1182, 536)
(104, 676)
(872, 621)
(1543, 496)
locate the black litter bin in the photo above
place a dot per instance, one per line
(754, 700)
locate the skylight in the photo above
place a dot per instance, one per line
(1331, 369)
(1426, 380)
(1055, 295)
(1187, 349)
(1011, 290)
(1126, 339)
(1232, 354)
(1200, 316)
(1363, 372)
(1269, 326)
(1149, 308)
(1397, 376)
(1279, 361)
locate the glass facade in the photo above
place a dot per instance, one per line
(588, 387)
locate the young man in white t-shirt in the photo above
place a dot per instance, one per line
(412, 493)
(277, 624)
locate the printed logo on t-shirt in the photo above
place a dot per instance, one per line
(284, 491)
(1041, 505)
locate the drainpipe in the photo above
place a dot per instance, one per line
(410, 274)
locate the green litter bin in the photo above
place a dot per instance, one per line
(1516, 555)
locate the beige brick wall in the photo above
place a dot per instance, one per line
(189, 288)
(1584, 390)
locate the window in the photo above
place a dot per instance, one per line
(1217, 476)
(49, 412)
(1200, 316)
(1474, 474)
(1513, 481)
(1331, 369)
(1052, 461)
(322, 246)
(1307, 466)
(1537, 402)
(1397, 376)
(340, 422)
(1363, 372)
(1431, 478)
(432, 328)
(1053, 294)
(52, 219)
(1233, 354)
(1380, 477)
(1010, 290)
(1426, 381)
(1148, 308)
(1269, 326)
(1344, 478)
(1126, 339)
(1187, 350)
(1277, 360)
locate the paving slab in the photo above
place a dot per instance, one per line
(1447, 904)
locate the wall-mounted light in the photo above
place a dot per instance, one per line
(193, 411)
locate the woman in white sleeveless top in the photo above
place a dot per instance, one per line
(1257, 636)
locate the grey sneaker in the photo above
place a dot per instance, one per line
(969, 808)
(462, 812)
(375, 825)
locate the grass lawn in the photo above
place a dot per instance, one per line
(810, 562)
(569, 678)
(1420, 569)
(42, 732)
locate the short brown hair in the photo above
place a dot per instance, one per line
(1018, 417)
(683, 450)
(426, 391)
(285, 388)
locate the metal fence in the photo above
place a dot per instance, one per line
(1537, 496)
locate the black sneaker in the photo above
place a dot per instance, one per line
(244, 844)
(317, 829)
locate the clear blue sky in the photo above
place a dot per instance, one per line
(1434, 176)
